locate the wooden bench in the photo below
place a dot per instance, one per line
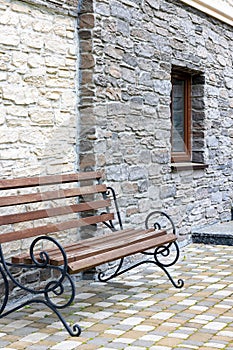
(50, 212)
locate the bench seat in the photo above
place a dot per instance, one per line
(95, 251)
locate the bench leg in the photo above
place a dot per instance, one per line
(75, 330)
(161, 254)
(165, 250)
(55, 287)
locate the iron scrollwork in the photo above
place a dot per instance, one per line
(45, 294)
(170, 250)
(161, 220)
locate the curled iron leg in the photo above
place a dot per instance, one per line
(166, 256)
(180, 282)
(45, 294)
(73, 330)
(103, 277)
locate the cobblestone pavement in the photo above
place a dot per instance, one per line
(141, 310)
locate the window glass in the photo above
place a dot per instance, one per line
(178, 115)
(181, 117)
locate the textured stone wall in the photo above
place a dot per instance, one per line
(62, 6)
(38, 91)
(128, 49)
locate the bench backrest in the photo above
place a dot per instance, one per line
(44, 205)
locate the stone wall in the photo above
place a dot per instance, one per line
(62, 6)
(39, 84)
(127, 52)
(128, 49)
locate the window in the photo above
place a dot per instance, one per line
(181, 117)
(188, 118)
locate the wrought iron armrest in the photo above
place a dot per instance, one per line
(160, 220)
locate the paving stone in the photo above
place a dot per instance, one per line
(25, 331)
(99, 341)
(160, 347)
(215, 345)
(112, 321)
(135, 348)
(158, 317)
(37, 347)
(143, 328)
(114, 332)
(68, 345)
(34, 337)
(4, 343)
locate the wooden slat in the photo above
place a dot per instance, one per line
(50, 195)
(80, 246)
(124, 251)
(117, 240)
(43, 230)
(51, 212)
(49, 179)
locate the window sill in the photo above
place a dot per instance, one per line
(188, 166)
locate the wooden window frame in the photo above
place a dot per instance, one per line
(186, 155)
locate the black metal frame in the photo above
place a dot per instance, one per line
(56, 285)
(162, 251)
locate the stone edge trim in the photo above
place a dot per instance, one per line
(212, 10)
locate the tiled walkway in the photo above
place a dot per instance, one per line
(140, 310)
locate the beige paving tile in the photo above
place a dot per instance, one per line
(19, 345)
(88, 347)
(198, 336)
(172, 342)
(133, 334)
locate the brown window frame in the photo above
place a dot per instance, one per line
(186, 155)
